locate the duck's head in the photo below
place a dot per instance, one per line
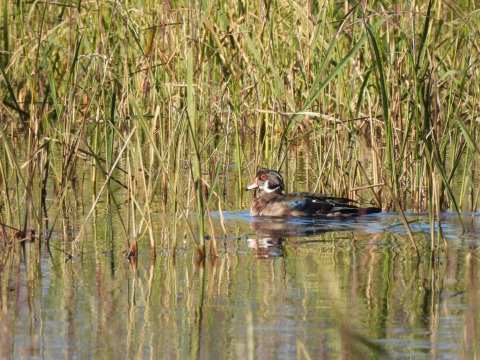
(267, 180)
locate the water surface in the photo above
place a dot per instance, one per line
(280, 289)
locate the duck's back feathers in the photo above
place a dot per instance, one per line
(305, 204)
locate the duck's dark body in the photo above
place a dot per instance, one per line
(272, 202)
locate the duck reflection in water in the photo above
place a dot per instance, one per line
(271, 233)
(266, 247)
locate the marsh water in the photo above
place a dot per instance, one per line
(279, 289)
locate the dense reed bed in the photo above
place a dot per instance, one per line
(170, 102)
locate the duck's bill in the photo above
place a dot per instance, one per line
(253, 186)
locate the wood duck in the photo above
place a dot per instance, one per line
(272, 201)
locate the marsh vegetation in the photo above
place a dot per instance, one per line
(133, 127)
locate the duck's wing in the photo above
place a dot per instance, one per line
(313, 204)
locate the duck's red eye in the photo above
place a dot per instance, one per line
(263, 176)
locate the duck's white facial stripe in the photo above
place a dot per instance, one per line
(279, 177)
(267, 189)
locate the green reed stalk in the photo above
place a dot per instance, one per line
(132, 206)
(238, 161)
(19, 183)
(197, 173)
(148, 187)
(390, 141)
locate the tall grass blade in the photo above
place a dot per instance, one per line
(197, 172)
